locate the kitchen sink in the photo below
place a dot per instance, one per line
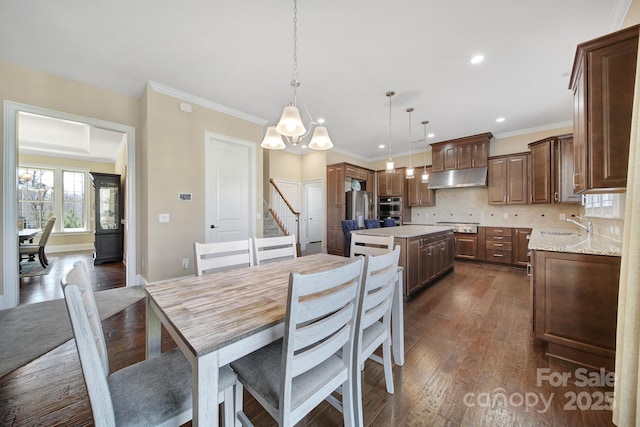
(561, 233)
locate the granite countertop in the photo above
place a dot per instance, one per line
(404, 231)
(572, 240)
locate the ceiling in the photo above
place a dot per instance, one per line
(239, 54)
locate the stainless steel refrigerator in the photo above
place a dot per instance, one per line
(359, 205)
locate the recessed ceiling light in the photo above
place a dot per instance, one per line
(500, 120)
(320, 121)
(477, 59)
(381, 146)
(431, 135)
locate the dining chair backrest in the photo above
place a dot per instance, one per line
(362, 244)
(223, 255)
(371, 223)
(373, 325)
(320, 321)
(87, 330)
(46, 231)
(390, 222)
(274, 248)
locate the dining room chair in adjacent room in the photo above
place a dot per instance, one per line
(348, 225)
(31, 249)
(371, 223)
(274, 248)
(218, 256)
(362, 244)
(291, 376)
(152, 392)
(390, 222)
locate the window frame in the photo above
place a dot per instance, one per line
(58, 195)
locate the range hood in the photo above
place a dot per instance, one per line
(459, 178)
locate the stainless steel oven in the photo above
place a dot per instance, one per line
(390, 207)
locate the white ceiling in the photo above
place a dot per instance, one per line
(240, 54)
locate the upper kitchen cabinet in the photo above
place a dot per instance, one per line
(391, 183)
(602, 82)
(462, 153)
(552, 170)
(508, 179)
(418, 192)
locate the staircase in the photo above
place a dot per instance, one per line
(269, 226)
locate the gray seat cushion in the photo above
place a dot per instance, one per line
(371, 333)
(260, 372)
(155, 390)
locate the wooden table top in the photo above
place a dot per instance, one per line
(214, 310)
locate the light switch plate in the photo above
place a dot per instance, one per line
(164, 218)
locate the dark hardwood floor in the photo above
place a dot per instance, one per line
(470, 360)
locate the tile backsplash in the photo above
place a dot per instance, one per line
(470, 205)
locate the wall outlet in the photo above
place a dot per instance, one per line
(185, 263)
(505, 215)
(563, 217)
(164, 218)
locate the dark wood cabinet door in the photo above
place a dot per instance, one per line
(479, 154)
(437, 159)
(542, 189)
(450, 155)
(521, 246)
(465, 156)
(466, 246)
(611, 74)
(579, 178)
(565, 170)
(497, 181)
(517, 180)
(396, 182)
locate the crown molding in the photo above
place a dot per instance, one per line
(193, 99)
(533, 130)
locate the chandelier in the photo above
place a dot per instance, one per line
(290, 126)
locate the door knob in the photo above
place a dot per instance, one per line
(213, 226)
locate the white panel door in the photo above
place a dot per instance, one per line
(229, 188)
(315, 213)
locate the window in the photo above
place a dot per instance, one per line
(44, 192)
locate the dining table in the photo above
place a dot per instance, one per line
(27, 234)
(217, 318)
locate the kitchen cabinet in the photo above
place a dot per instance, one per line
(338, 176)
(391, 183)
(602, 81)
(462, 153)
(520, 239)
(552, 170)
(418, 192)
(575, 298)
(466, 246)
(108, 236)
(498, 245)
(508, 179)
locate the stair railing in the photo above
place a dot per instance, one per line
(287, 218)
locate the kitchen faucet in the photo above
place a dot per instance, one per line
(587, 227)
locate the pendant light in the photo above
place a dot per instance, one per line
(425, 174)
(390, 165)
(410, 171)
(290, 126)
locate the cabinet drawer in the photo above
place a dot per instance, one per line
(499, 255)
(498, 244)
(498, 233)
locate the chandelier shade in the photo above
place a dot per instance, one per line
(272, 139)
(320, 139)
(290, 122)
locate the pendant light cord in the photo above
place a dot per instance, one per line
(294, 78)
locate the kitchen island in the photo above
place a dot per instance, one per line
(426, 253)
(574, 294)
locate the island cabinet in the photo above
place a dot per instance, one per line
(426, 253)
(418, 192)
(602, 81)
(575, 302)
(508, 179)
(462, 153)
(465, 246)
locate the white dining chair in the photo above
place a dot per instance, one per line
(293, 375)
(223, 255)
(274, 248)
(362, 244)
(152, 392)
(373, 324)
